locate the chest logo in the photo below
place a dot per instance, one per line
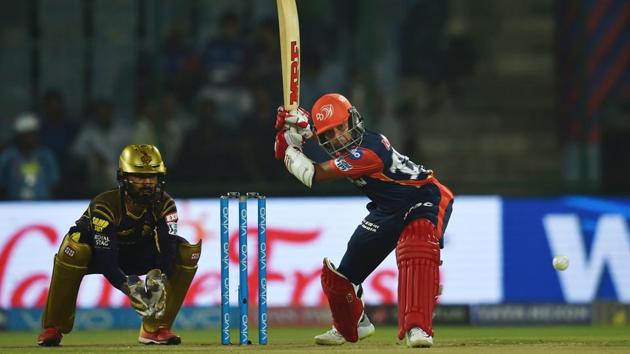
(99, 224)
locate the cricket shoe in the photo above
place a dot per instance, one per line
(333, 337)
(50, 337)
(417, 338)
(161, 336)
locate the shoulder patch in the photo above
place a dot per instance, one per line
(99, 224)
(342, 164)
(172, 217)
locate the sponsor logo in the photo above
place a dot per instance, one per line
(342, 164)
(325, 112)
(172, 217)
(172, 228)
(295, 72)
(99, 224)
(101, 241)
(69, 251)
(421, 204)
(369, 225)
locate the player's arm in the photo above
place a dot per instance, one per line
(166, 233)
(104, 244)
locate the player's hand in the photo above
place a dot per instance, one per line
(299, 119)
(284, 139)
(155, 283)
(135, 291)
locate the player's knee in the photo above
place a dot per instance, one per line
(188, 254)
(419, 239)
(74, 253)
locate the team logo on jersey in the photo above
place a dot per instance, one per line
(342, 164)
(99, 224)
(355, 154)
(325, 112)
(386, 142)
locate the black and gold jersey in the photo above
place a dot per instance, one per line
(126, 242)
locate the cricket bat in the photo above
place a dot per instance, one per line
(289, 52)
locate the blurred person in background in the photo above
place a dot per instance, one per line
(97, 144)
(28, 171)
(59, 133)
(126, 232)
(409, 210)
(224, 61)
(162, 121)
(210, 142)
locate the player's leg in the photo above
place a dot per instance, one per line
(371, 242)
(158, 331)
(70, 265)
(418, 260)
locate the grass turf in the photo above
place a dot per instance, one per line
(547, 340)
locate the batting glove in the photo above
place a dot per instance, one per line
(286, 138)
(299, 119)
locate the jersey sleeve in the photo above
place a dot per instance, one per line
(357, 163)
(100, 219)
(167, 235)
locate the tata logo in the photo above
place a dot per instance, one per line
(325, 112)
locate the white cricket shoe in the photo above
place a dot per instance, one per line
(333, 337)
(416, 338)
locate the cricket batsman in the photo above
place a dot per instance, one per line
(126, 232)
(408, 212)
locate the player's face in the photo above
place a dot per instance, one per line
(143, 185)
(339, 135)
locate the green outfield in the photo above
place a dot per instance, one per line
(547, 340)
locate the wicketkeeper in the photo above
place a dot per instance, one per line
(408, 212)
(126, 232)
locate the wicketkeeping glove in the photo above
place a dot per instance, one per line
(299, 119)
(156, 292)
(134, 289)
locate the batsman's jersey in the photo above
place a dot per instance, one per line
(124, 243)
(392, 181)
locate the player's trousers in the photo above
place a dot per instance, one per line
(377, 235)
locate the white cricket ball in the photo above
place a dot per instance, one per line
(561, 262)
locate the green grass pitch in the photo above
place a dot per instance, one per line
(449, 339)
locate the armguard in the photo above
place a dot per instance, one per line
(299, 165)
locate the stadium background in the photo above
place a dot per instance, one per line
(521, 107)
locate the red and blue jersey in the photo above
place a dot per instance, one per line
(391, 180)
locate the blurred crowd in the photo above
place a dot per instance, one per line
(210, 110)
(209, 107)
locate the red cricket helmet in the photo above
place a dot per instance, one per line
(329, 111)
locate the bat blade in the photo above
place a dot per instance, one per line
(289, 52)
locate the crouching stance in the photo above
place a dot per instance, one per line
(408, 212)
(124, 233)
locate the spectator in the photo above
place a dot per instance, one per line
(28, 171)
(224, 59)
(181, 64)
(210, 143)
(163, 124)
(98, 144)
